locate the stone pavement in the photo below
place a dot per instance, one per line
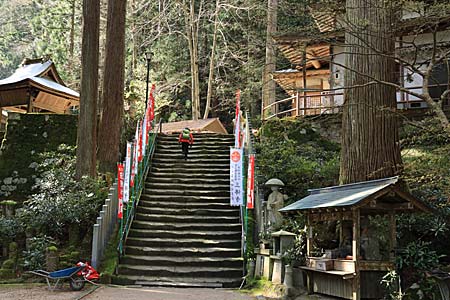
(136, 293)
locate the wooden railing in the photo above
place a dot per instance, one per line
(328, 102)
(302, 105)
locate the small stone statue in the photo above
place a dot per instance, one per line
(275, 203)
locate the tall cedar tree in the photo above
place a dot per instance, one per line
(87, 121)
(268, 89)
(370, 141)
(113, 87)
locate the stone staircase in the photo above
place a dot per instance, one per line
(185, 233)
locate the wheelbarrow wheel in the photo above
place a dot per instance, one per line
(77, 283)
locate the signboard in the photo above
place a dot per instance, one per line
(126, 180)
(120, 190)
(251, 182)
(236, 186)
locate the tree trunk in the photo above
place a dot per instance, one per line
(72, 34)
(191, 25)
(212, 62)
(268, 92)
(370, 142)
(113, 87)
(87, 121)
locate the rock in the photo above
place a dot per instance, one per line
(8, 180)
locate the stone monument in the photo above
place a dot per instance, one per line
(274, 203)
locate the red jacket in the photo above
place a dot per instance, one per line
(182, 140)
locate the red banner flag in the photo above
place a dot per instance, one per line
(251, 182)
(152, 102)
(120, 190)
(140, 142)
(237, 121)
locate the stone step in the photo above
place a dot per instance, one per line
(188, 212)
(185, 261)
(175, 281)
(182, 252)
(192, 155)
(193, 173)
(221, 192)
(150, 196)
(186, 226)
(192, 161)
(180, 271)
(186, 187)
(198, 140)
(208, 235)
(189, 179)
(186, 219)
(186, 243)
(209, 135)
(194, 150)
(195, 146)
(186, 165)
(183, 204)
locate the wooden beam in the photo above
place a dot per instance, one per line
(313, 59)
(15, 109)
(392, 236)
(356, 295)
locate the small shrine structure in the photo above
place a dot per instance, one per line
(36, 87)
(354, 268)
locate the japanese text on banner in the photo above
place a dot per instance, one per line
(126, 180)
(251, 181)
(120, 190)
(236, 186)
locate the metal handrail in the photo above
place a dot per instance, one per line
(141, 176)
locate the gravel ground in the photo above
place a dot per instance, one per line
(41, 292)
(33, 292)
(106, 293)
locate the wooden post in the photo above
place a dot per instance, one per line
(304, 79)
(392, 236)
(309, 236)
(355, 254)
(30, 104)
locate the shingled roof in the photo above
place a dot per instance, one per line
(358, 195)
(203, 125)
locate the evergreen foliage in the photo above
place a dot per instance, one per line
(291, 150)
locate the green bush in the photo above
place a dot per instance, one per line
(60, 200)
(34, 257)
(9, 229)
(289, 149)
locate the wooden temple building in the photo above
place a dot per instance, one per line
(36, 87)
(315, 83)
(363, 251)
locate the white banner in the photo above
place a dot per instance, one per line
(126, 179)
(236, 186)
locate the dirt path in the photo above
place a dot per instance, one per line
(106, 293)
(37, 292)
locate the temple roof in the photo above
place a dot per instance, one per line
(356, 195)
(39, 81)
